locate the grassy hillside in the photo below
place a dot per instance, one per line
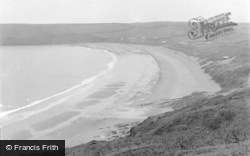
(216, 125)
(143, 33)
(230, 73)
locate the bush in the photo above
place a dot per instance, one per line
(184, 142)
(213, 123)
(227, 115)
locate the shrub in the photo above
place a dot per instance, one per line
(184, 142)
(213, 123)
(227, 115)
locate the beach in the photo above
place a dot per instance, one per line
(111, 104)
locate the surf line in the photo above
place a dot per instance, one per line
(85, 82)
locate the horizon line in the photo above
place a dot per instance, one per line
(98, 23)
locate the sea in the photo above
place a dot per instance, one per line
(33, 74)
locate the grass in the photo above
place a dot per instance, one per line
(204, 126)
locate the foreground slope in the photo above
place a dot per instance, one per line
(200, 127)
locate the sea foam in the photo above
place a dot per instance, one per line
(84, 84)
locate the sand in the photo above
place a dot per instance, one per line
(142, 74)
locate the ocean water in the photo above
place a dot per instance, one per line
(30, 74)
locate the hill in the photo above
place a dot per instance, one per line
(142, 33)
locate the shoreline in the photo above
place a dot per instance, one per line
(182, 60)
(129, 72)
(84, 82)
(97, 119)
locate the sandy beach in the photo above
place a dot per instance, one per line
(110, 105)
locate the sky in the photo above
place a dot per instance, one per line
(118, 11)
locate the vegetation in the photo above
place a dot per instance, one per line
(209, 125)
(230, 75)
(154, 33)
